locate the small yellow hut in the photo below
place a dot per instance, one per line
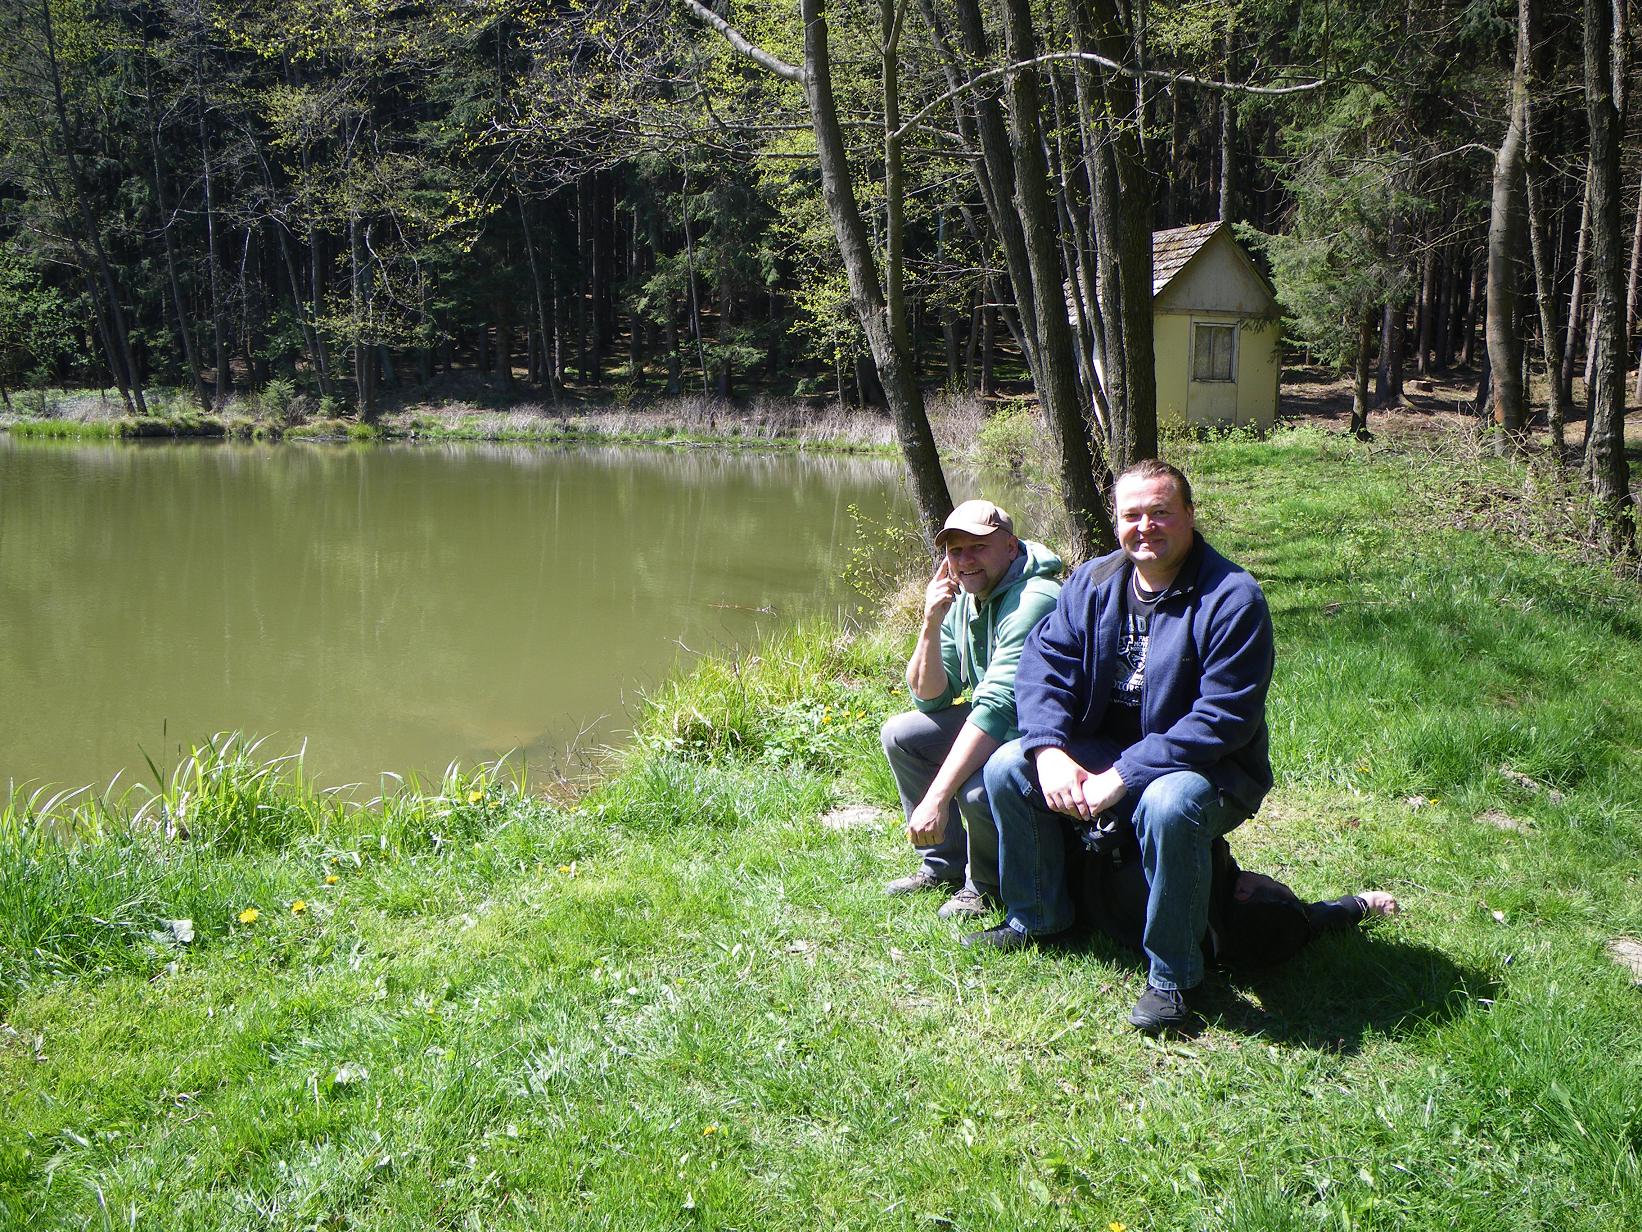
(1215, 330)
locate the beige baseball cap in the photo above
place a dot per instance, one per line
(977, 517)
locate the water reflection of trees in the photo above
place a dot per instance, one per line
(368, 597)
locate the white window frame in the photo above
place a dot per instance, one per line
(1230, 327)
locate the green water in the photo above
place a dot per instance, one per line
(396, 608)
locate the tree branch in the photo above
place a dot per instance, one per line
(741, 43)
(1089, 57)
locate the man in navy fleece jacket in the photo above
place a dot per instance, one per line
(1142, 697)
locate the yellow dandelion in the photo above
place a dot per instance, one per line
(475, 796)
(299, 906)
(1115, 1226)
(826, 718)
(331, 879)
(249, 915)
(709, 1130)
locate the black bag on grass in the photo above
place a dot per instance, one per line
(1254, 920)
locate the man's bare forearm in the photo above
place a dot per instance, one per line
(926, 674)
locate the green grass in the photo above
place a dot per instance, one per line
(678, 1001)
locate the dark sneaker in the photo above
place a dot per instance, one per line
(1003, 937)
(923, 879)
(1164, 1009)
(965, 902)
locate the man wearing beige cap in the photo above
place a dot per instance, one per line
(989, 589)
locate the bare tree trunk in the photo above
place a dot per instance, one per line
(1474, 302)
(995, 174)
(989, 350)
(185, 327)
(1605, 462)
(1442, 330)
(1504, 244)
(542, 328)
(1228, 136)
(1576, 304)
(1388, 380)
(1427, 311)
(224, 380)
(1359, 384)
(1540, 225)
(504, 346)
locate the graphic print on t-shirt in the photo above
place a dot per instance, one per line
(1132, 644)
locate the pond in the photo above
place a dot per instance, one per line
(395, 607)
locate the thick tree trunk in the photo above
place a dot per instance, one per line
(1058, 390)
(1605, 462)
(1121, 209)
(1359, 383)
(1388, 379)
(890, 352)
(1504, 246)
(503, 358)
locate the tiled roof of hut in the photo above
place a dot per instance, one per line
(1172, 249)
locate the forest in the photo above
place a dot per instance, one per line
(590, 199)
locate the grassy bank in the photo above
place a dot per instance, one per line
(760, 422)
(680, 1000)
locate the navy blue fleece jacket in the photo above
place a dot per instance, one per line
(1203, 703)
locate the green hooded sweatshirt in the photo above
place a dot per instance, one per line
(981, 642)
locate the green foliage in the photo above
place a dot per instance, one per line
(278, 401)
(1007, 440)
(882, 556)
(37, 331)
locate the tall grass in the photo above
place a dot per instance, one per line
(93, 882)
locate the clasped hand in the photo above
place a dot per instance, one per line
(1070, 789)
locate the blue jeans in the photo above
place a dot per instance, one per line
(916, 744)
(1176, 819)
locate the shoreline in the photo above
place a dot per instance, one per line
(689, 421)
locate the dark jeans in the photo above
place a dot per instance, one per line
(1176, 819)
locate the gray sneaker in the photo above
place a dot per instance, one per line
(966, 901)
(923, 879)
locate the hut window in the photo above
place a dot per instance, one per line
(1213, 352)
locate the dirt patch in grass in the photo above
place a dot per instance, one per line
(1627, 952)
(854, 817)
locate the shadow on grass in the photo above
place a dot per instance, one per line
(1337, 993)
(1344, 989)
